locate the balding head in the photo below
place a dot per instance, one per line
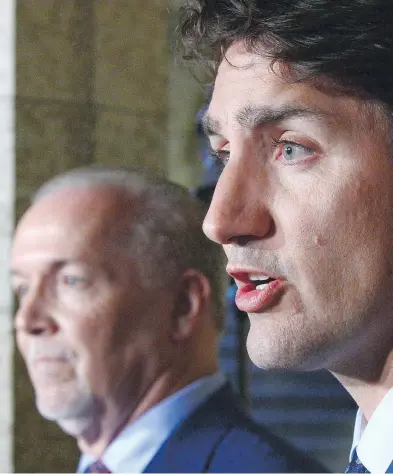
(166, 225)
(113, 296)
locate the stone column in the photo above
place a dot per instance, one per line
(7, 98)
(91, 88)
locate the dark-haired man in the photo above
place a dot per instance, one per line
(118, 321)
(300, 119)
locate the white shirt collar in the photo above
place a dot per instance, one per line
(374, 440)
(135, 446)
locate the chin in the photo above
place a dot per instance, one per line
(64, 406)
(279, 353)
(260, 354)
(73, 419)
(76, 427)
(264, 345)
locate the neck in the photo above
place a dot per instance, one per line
(368, 392)
(103, 430)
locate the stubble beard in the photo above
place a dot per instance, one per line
(74, 411)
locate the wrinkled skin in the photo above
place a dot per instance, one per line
(86, 327)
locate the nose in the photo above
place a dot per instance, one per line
(33, 316)
(239, 210)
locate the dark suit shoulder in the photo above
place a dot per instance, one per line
(249, 447)
(219, 437)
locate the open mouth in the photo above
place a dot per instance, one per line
(261, 282)
(256, 291)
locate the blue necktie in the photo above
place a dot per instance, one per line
(355, 465)
(97, 466)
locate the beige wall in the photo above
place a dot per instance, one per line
(92, 87)
(185, 96)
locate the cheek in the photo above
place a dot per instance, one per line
(340, 239)
(83, 333)
(90, 320)
(357, 221)
(99, 336)
(83, 302)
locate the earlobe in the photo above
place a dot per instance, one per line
(192, 299)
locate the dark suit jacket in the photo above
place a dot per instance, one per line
(219, 437)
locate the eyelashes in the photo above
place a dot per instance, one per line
(287, 151)
(291, 152)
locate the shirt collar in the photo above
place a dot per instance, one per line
(136, 445)
(374, 440)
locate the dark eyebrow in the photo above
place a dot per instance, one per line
(210, 125)
(251, 117)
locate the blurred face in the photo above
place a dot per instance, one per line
(86, 328)
(303, 209)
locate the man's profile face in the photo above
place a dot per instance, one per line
(85, 326)
(304, 206)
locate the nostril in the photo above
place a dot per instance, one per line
(46, 327)
(35, 324)
(242, 240)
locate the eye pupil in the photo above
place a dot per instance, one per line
(292, 152)
(70, 280)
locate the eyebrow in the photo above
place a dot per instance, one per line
(251, 117)
(56, 265)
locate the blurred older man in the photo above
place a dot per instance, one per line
(118, 322)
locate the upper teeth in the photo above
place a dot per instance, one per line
(259, 278)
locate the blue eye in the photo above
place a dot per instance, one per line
(292, 152)
(72, 280)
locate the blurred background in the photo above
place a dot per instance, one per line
(96, 81)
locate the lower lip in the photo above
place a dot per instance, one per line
(250, 300)
(50, 360)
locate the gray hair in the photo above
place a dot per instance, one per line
(165, 228)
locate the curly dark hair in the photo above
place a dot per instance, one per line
(347, 43)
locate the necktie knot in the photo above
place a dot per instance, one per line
(355, 465)
(97, 466)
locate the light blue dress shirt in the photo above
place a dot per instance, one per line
(135, 446)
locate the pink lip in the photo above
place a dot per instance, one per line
(50, 360)
(243, 274)
(248, 298)
(251, 300)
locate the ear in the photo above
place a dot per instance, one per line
(193, 300)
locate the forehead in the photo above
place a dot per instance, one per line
(245, 80)
(70, 223)
(241, 73)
